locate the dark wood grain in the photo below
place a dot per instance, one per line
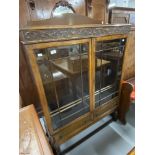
(27, 87)
(99, 10)
(125, 101)
(24, 15)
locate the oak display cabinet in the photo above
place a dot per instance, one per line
(77, 69)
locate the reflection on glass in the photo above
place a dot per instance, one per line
(64, 72)
(108, 62)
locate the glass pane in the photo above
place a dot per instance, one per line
(64, 72)
(108, 62)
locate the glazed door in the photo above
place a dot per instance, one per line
(108, 68)
(64, 69)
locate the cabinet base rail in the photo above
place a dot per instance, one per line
(71, 147)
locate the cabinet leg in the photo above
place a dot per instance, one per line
(123, 121)
(114, 116)
(56, 150)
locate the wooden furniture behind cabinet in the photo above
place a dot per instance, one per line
(77, 68)
(126, 99)
(32, 139)
(122, 15)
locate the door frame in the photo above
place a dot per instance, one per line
(30, 53)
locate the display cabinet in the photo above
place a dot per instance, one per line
(77, 70)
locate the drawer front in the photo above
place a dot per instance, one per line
(106, 108)
(72, 129)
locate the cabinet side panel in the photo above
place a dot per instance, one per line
(26, 85)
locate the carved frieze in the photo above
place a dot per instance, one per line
(33, 36)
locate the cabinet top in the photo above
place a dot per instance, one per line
(67, 27)
(67, 20)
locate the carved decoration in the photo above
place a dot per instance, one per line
(31, 4)
(62, 3)
(44, 35)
